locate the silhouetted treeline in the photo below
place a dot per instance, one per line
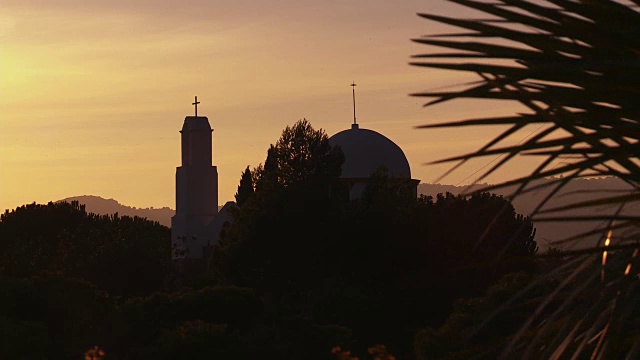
(301, 268)
(55, 317)
(383, 265)
(122, 255)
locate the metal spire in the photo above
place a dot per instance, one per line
(353, 87)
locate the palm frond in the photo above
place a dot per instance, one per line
(575, 64)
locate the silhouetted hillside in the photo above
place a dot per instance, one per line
(102, 206)
(583, 189)
(577, 190)
(98, 205)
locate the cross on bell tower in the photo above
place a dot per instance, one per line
(196, 105)
(196, 190)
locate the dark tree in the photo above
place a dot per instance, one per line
(370, 265)
(279, 226)
(303, 153)
(386, 192)
(122, 255)
(266, 177)
(245, 189)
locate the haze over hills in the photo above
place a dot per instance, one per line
(102, 206)
(575, 191)
(546, 231)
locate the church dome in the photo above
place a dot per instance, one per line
(366, 150)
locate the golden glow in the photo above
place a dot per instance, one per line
(93, 93)
(604, 253)
(633, 256)
(608, 240)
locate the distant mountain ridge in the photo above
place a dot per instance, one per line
(546, 232)
(575, 191)
(102, 206)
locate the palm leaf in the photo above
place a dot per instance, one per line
(576, 65)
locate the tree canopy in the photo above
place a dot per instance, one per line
(304, 154)
(300, 270)
(245, 188)
(369, 264)
(122, 255)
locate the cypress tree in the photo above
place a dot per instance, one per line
(245, 188)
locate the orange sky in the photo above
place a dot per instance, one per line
(93, 93)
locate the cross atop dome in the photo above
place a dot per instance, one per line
(367, 151)
(353, 87)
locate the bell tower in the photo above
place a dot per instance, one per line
(196, 189)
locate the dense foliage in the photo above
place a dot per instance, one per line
(301, 269)
(122, 255)
(370, 264)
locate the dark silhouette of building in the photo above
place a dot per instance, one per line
(365, 151)
(197, 222)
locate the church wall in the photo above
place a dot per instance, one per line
(356, 190)
(181, 190)
(202, 188)
(197, 190)
(191, 234)
(200, 148)
(185, 148)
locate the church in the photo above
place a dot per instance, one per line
(196, 226)
(197, 223)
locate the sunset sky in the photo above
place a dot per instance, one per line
(93, 93)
